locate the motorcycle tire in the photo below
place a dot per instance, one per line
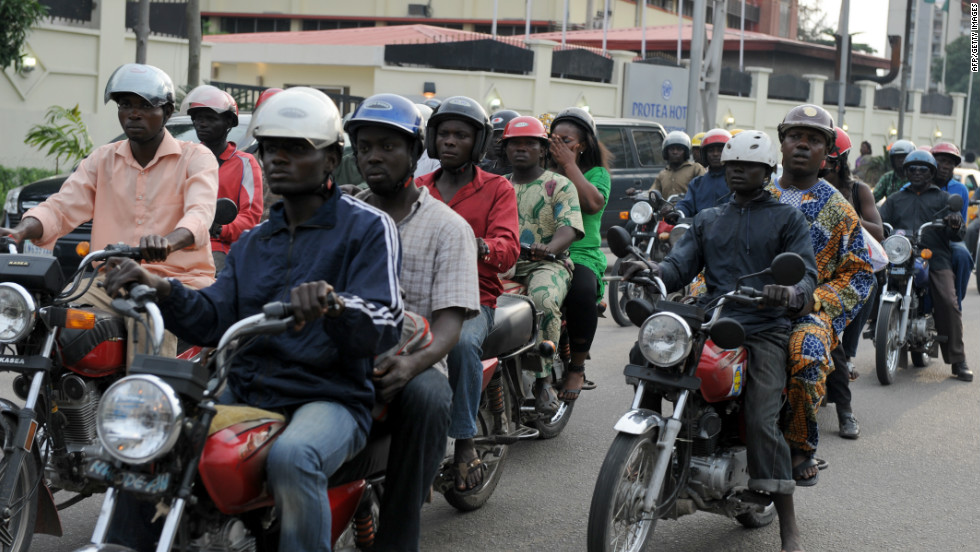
(888, 348)
(618, 298)
(17, 535)
(493, 456)
(755, 520)
(625, 473)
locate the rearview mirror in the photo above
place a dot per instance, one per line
(955, 203)
(619, 241)
(788, 268)
(727, 333)
(225, 211)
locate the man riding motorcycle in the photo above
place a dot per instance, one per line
(948, 157)
(680, 169)
(149, 190)
(765, 228)
(893, 180)
(709, 189)
(214, 113)
(337, 261)
(844, 280)
(912, 207)
(440, 283)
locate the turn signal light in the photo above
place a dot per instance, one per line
(624, 215)
(76, 319)
(926, 254)
(83, 248)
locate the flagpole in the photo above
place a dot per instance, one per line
(643, 39)
(741, 41)
(680, 25)
(527, 21)
(564, 24)
(605, 26)
(493, 27)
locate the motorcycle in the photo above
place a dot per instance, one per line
(65, 358)
(665, 467)
(653, 236)
(905, 321)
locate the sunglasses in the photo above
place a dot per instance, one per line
(918, 169)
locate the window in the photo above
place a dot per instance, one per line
(615, 142)
(649, 146)
(253, 25)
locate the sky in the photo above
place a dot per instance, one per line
(866, 17)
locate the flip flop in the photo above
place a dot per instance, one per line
(588, 385)
(821, 463)
(468, 468)
(799, 470)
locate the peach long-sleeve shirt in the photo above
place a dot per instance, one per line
(124, 201)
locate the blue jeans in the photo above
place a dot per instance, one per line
(319, 438)
(418, 419)
(770, 465)
(962, 268)
(466, 373)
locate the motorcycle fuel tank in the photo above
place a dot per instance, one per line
(722, 372)
(232, 466)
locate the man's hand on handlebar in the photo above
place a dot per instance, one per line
(121, 272)
(628, 269)
(311, 300)
(482, 249)
(540, 252)
(954, 220)
(155, 249)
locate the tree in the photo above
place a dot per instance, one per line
(18, 17)
(958, 75)
(812, 26)
(68, 140)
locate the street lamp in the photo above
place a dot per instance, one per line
(429, 89)
(27, 65)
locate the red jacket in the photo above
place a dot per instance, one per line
(240, 180)
(489, 204)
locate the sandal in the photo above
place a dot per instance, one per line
(570, 395)
(546, 401)
(469, 468)
(800, 469)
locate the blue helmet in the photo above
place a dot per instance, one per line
(921, 158)
(389, 110)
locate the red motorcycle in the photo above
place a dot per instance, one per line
(666, 466)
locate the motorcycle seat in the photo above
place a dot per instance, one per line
(513, 325)
(371, 461)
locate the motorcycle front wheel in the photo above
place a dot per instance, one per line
(617, 522)
(618, 297)
(16, 534)
(888, 345)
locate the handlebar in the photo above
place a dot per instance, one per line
(275, 318)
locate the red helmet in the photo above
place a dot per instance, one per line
(715, 136)
(843, 143)
(210, 97)
(265, 95)
(948, 148)
(525, 126)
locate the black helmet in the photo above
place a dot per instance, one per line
(575, 115)
(811, 116)
(146, 81)
(921, 158)
(463, 109)
(499, 119)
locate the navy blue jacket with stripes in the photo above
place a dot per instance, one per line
(347, 243)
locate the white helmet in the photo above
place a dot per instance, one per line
(751, 146)
(299, 112)
(677, 138)
(426, 112)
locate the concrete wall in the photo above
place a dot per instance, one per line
(863, 123)
(73, 66)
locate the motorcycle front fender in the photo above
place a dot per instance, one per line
(48, 522)
(891, 297)
(639, 421)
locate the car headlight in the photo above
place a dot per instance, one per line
(897, 248)
(139, 419)
(665, 339)
(17, 314)
(641, 212)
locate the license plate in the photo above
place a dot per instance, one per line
(129, 481)
(32, 249)
(898, 271)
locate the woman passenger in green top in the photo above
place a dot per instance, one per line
(577, 153)
(549, 221)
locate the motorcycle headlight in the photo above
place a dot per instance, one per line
(641, 212)
(139, 419)
(677, 233)
(17, 314)
(897, 248)
(665, 339)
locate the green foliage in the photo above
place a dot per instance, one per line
(873, 168)
(958, 77)
(12, 178)
(812, 26)
(18, 16)
(66, 141)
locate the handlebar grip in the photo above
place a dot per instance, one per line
(750, 292)
(277, 309)
(123, 250)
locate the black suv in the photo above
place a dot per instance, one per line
(20, 199)
(636, 160)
